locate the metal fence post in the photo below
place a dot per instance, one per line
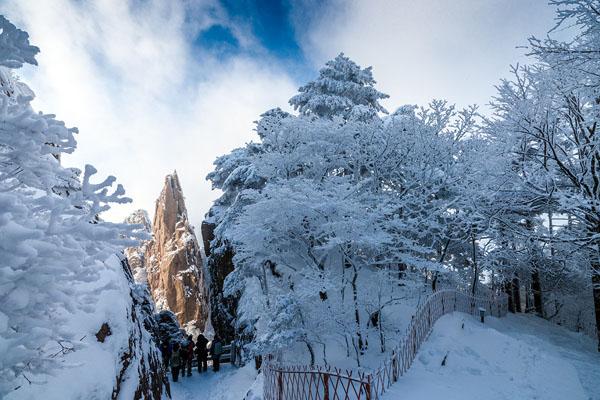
(429, 314)
(368, 388)
(325, 386)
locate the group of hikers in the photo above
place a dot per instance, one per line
(179, 356)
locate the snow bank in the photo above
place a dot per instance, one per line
(230, 383)
(518, 357)
(91, 370)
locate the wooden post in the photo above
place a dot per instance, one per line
(325, 386)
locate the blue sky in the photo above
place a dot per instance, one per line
(157, 85)
(271, 24)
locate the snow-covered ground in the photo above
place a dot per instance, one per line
(230, 383)
(517, 357)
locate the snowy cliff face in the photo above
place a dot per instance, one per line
(140, 374)
(173, 260)
(136, 256)
(113, 352)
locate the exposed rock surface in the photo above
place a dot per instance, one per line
(219, 265)
(141, 374)
(136, 256)
(168, 327)
(172, 260)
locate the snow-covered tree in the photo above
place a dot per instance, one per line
(551, 111)
(324, 213)
(65, 296)
(342, 89)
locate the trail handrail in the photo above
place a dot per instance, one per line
(283, 382)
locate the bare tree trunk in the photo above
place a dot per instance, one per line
(356, 352)
(359, 337)
(509, 292)
(475, 267)
(382, 339)
(551, 231)
(536, 282)
(311, 351)
(379, 320)
(516, 293)
(442, 256)
(347, 346)
(536, 288)
(596, 289)
(343, 285)
(401, 273)
(593, 230)
(265, 284)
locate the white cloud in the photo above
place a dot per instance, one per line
(427, 49)
(145, 101)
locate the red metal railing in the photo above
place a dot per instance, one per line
(315, 383)
(282, 382)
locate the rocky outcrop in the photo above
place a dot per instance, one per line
(171, 261)
(140, 374)
(168, 327)
(136, 256)
(219, 265)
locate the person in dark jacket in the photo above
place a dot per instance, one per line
(216, 348)
(175, 362)
(201, 353)
(188, 356)
(165, 351)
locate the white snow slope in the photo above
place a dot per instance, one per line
(230, 383)
(517, 357)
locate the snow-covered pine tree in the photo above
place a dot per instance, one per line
(66, 298)
(342, 89)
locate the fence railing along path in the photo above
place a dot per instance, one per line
(284, 382)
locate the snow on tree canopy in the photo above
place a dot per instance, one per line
(270, 121)
(323, 217)
(61, 279)
(342, 89)
(15, 49)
